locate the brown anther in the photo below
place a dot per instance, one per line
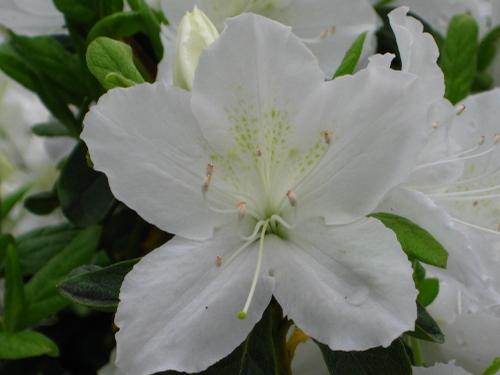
(435, 125)
(460, 109)
(258, 152)
(326, 33)
(206, 183)
(218, 261)
(327, 135)
(242, 210)
(210, 169)
(498, 227)
(475, 203)
(292, 198)
(481, 140)
(496, 138)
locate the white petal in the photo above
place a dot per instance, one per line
(31, 17)
(418, 50)
(273, 71)
(308, 360)
(149, 145)
(465, 267)
(440, 369)
(472, 340)
(358, 170)
(178, 309)
(330, 26)
(349, 287)
(110, 368)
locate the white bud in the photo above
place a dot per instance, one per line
(195, 33)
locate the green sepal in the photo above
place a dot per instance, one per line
(415, 241)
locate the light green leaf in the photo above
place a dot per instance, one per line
(78, 252)
(494, 368)
(415, 241)
(351, 57)
(459, 56)
(14, 299)
(97, 288)
(50, 129)
(9, 201)
(426, 327)
(106, 56)
(428, 290)
(26, 344)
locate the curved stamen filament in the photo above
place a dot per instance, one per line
(234, 255)
(478, 227)
(465, 193)
(280, 220)
(243, 313)
(470, 197)
(461, 158)
(253, 236)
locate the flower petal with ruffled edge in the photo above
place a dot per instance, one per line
(338, 283)
(178, 309)
(31, 17)
(440, 369)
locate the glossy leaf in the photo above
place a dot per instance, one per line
(494, 368)
(50, 129)
(426, 327)
(26, 344)
(351, 57)
(416, 242)
(428, 290)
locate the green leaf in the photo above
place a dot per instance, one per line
(426, 327)
(392, 360)
(112, 63)
(494, 368)
(15, 67)
(5, 240)
(428, 290)
(36, 247)
(9, 201)
(415, 241)
(88, 11)
(26, 344)
(459, 56)
(83, 193)
(488, 49)
(97, 288)
(50, 129)
(78, 252)
(14, 299)
(42, 203)
(38, 311)
(351, 57)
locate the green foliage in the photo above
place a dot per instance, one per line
(111, 62)
(428, 291)
(26, 344)
(416, 242)
(83, 193)
(42, 203)
(50, 129)
(392, 360)
(14, 299)
(494, 368)
(88, 11)
(96, 287)
(426, 327)
(10, 200)
(459, 57)
(351, 57)
(488, 49)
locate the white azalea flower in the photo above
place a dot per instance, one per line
(31, 17)
(328, 27)
(265, 172)
(440, 369)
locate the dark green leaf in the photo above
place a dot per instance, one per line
(459, 56)
(112, 63)
(426, 327)
(377, 361)
(84, 194)
(36, 312)
(5, 240)
(88, 11)
(351, 57)
(97, 288)
(428, 290)
(488, 49)
(9, 201)
(50, 129)
(14, 66)
(494, 368)
(42, 203)
(78, 252)
(14, 299)
(26, 344)
(36, 247)
(416, 242)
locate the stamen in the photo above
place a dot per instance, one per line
(218, 261)
(242, 210)
(327, 135)
(208, 178)
(234, 255)
(460, 109)
(435, 125)
(481, 141)
(253, 236)
(258, 152)
(496, 139)
(243, 313)
(328, 32)
(465, 193)
(461, 158)
(478, 227)
(292, 198)
(469, 198)
(280, 220)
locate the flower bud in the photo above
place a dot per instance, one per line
(196, 32)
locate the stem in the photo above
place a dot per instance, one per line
(418, 357)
